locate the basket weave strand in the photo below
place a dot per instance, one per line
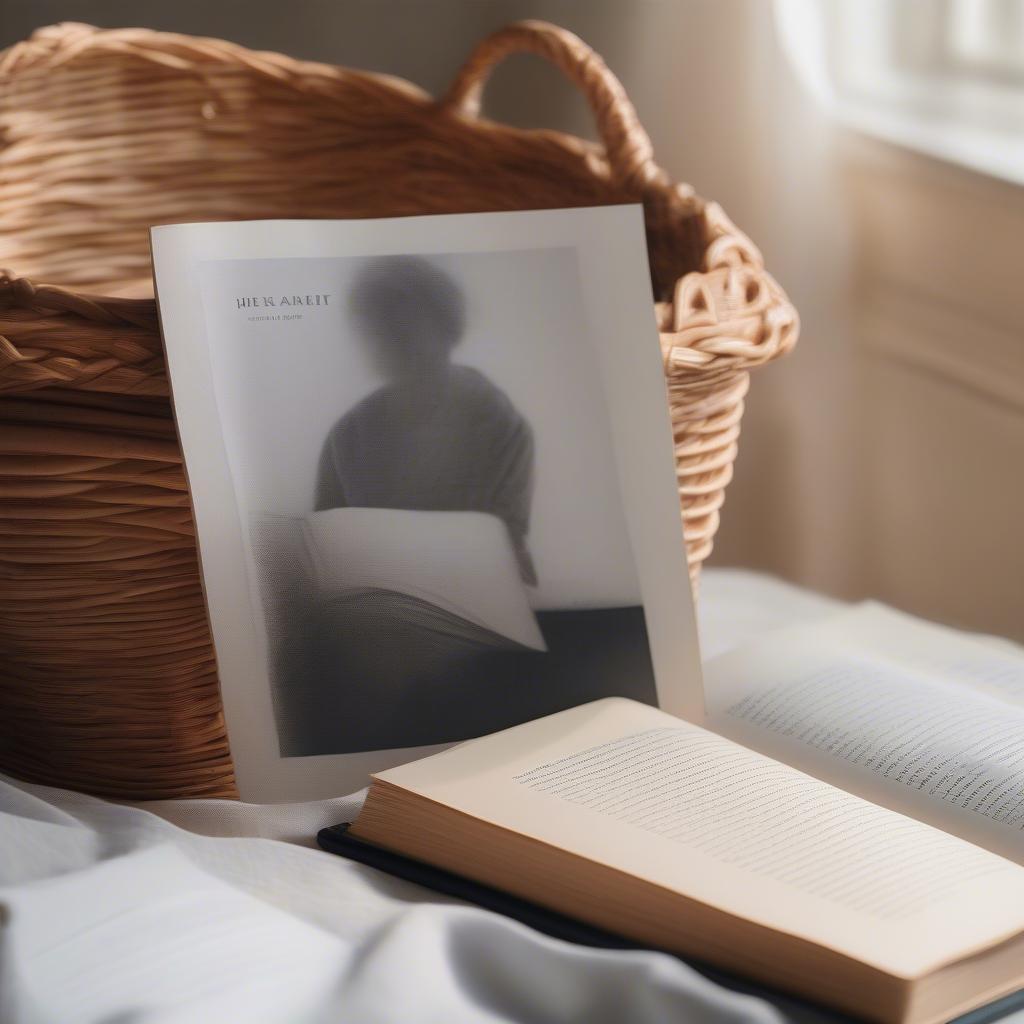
(108, 674)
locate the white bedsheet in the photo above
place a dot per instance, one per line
(205, 910)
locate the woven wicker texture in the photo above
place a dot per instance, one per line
(108, 679)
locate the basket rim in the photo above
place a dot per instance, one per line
(22, 292)
(721, 247)
(63, 41)
(56, 46)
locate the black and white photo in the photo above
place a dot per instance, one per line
(431, 513)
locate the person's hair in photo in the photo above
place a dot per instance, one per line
(410, 312)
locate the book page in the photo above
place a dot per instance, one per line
(633, 788)
(987, 663)
(944, 752)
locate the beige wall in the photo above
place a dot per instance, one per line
(884, 458)
(941, 344)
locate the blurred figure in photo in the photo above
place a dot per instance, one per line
(437, 435)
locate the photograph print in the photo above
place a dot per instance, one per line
(421, 455)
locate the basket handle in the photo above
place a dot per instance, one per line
(627, 146)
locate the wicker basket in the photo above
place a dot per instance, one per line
(108, 676)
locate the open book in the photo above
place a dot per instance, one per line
(845, 826)
(458, 570)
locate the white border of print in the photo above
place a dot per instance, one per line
(612, 256)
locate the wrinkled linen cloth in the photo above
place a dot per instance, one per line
(210, 910)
